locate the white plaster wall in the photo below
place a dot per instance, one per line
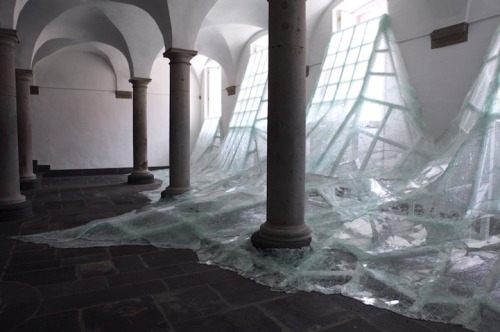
(79, 124)
(77, 121)
(195, 102)
(158, 113)
(442, 77)
(316, 48)
(227, 104)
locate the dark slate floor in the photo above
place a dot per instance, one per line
(135, 288)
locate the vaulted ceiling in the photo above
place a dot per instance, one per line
(131, 34)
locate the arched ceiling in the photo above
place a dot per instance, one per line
(226, 30)
(230, 24)
(138, 29)
(114, 57)
(128, 28)
(251, 12)
(7, 9)
(225, 43)
(73, 25)
(186, 17)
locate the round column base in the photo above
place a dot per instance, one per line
(16, 211)
(275, 237)
(171, 191)
(30, 183)
(141, 178)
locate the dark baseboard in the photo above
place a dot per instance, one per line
(91, 171)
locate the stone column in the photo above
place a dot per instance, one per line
(27, 177)
(141, 174)
(285, 226)
(13, 205)
(180, 148)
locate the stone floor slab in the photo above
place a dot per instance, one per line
(31, 267)
(104, 296)
(44, 277)
(308, 311)
(138, 314)
(131, 250)
(248, 319)
(354, 325)
(144, 275)
(95, 269)
(64, 322)
(72, 287)
(239, 291)
(201, 278)
(189, 304)
(17, 303)
(151, 289)
(169, 257)
(390, 321)
(129, 263)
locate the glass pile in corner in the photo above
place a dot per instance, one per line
(398, 222)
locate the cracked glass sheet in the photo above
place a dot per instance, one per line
(208, 142)
(209, 139)
(423, 245)
(363, 90)
(246, 143)
(205, 152)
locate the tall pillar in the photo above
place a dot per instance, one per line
(27, 177)
(285, 226)
(180, 147)
(13, 205)
(140, 174)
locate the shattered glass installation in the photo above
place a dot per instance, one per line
(208, 143)
(210, 136)
(364, 92)
(393, 225)
(246, 143)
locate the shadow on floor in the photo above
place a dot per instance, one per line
(143, 288)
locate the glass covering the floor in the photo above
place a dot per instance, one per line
(397, 222)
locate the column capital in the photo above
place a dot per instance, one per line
(179, 55)
(139, 81)
(24, 74)
(9, 34)
(8, 37)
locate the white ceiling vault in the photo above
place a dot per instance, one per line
(130, 34)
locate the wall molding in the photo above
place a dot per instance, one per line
(120, 94)
(407, 39)
(451, 35)
(89, 171)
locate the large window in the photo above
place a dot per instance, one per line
(350, 13)
(246, 143)
(208, 142)
(362, 116)
(213, 89)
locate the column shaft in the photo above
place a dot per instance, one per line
(27, 177)
(180, 147)
(13, 205)
(140, 174)
(285, 226)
